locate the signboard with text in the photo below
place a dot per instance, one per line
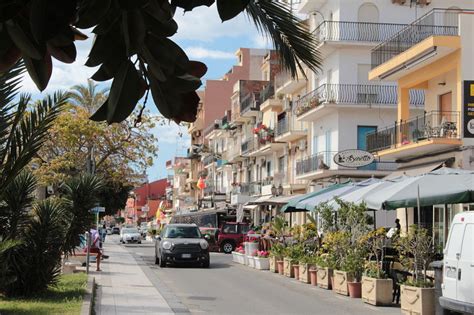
(468, 109)
(353, 158)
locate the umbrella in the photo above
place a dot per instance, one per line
(311, 203)
(291, 205)
(443, 186)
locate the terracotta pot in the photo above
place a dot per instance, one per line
(280, 268)
(288, 267)
(296, 271)
(325, 278)
(355, 289)
(377, 291)
(313, 276)
(273, 263)
(415, 300)
(304, 272)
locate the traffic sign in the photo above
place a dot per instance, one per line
(98, 209)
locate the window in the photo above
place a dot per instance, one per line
(230, 229)
(244, 229)
(269, 168)
(182, 232)
(454, 244)
(281, 164)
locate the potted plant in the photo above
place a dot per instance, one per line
(306, 263)
(262, 262)
(338, 244)
(276, 254)
(376, 288)
(324, 278)
(354, 266)
(292, 255)
(416, 250)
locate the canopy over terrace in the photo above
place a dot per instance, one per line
(291, 205)
(443, 186)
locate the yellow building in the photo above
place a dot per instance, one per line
(435, 54)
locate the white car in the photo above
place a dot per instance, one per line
(130, 235)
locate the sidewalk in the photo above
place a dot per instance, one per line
(123, 286)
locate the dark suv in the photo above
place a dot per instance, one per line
(181, 243)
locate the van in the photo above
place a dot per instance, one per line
(458, 265)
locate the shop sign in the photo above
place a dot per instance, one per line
(468, 109)
(353, 158)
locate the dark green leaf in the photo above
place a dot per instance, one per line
(160, 28)
(132, 5)
(23, 39)
(91, 12)
(104, 47)
(134, 31)
(108, 22)
(188, 5)
(229, 9)
(9, 58)
(197, 68)
(168, 55)
(39, 70)
(66, 54)
(185, 83)
(50, 17)
(108, 69)
(153, 66)
(101, 113)
(9, 10)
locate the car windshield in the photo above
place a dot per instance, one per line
(182, 232)
(129, 231)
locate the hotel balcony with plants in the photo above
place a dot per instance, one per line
(429, 54)
(322, 165)
(329, 97)
(264, 141)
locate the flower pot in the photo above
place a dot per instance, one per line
(304, 272)
(262, 263)
(251, 261)
(340, 282)
(273, 264)
(417, 300)
(313, 277)
(355, 289)
(288, 267)
(296, 272)
(325, 276)
(250, 248)
(377, 291)
(281, 267)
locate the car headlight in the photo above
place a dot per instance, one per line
(167, 245)
(204, 244)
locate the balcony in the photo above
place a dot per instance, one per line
(287, 130)
(309, 106)
(432, 132)
(247, 146)
(285, 84)
(427, 39)
(208, 160)
(265, 143)
(250, 105)
(321, 165)
(268, 100)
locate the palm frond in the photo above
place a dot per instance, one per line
(294, 43)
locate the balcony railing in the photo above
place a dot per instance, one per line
(248, 146)
(432, 125)
(267, 93)
(249, 189)
(208, 160)
(436, 22)
(356, 31)
(354, 94)
(285, 125)
(323, 161)
(251, 101)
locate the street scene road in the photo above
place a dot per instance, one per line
(228, 288)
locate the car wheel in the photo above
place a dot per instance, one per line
(227, 247)
(205, 264)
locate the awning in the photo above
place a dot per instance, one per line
(291, 205)
(250, 207)
(282, 200)
(260, 200)
(415, 171)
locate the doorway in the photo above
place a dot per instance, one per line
(445, 107)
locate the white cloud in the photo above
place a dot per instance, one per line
(170, 133)
(262, 41)
(204, 24)
(204, 53)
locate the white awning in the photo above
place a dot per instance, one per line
(282, 200)
(250, 207)
(415, 171)
(261, 200)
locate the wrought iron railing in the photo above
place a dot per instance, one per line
(249, 189)
(247, 146)
(267, 92)
(356, 31)
(285, 125)
(436, 22)
(323, 161)
(251, 101)
(354, 94)
(435, 124)
(281, 78)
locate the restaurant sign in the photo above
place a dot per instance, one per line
(468, 109)
(353, 158)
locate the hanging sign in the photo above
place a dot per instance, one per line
(468, 102)
(353, 158)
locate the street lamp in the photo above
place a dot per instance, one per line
(274, 190)
(280, 190)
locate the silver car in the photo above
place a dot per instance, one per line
(130, 235)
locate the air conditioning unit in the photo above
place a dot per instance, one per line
(302, 145)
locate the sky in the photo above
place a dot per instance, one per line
(203, 37)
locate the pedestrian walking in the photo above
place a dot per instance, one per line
(95, 245)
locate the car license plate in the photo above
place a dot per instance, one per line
(185, 255)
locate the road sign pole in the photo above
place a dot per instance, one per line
(88, 246)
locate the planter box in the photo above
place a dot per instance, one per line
(288, 267)
(325, 278)
(240, 258)
(340, 282)
(377, 291)
(304, 272)
(273, 263)
(251, 261)
(262, 263)
(250, 247)
(235, 257)
(417, 300)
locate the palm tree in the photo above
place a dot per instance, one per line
(88, 96)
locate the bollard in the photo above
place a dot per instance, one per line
(88, 247)
(438, 268)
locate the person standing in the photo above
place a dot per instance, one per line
(95, 245)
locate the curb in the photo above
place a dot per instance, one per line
(88, 301)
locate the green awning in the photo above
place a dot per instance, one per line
(291, 205)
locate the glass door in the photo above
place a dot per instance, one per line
(439, 227)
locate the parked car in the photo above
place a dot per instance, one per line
(211, 235)
(458, 265)
(231, 235)
(181, 243)
(130, 235)
(115, 230)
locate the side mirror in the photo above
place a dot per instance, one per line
(207, 237)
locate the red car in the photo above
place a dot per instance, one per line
(231, 235)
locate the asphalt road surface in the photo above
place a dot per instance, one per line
(229, 288)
